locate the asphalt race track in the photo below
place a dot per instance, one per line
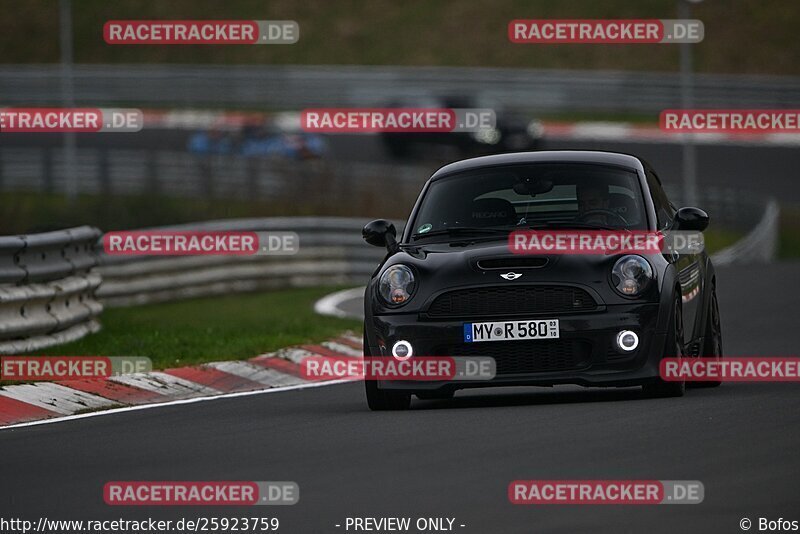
(452, 458)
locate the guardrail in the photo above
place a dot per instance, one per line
(296, 86)
(331, 253)
(47, 289)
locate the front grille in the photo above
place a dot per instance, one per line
(511, 300)
(521, 357)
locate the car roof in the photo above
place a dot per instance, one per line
(544, 156)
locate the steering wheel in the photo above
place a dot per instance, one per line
(586, 214)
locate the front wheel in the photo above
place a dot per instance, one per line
(672, 348)
(380, 400)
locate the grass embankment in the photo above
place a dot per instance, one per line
(741, 36)
(211, 329)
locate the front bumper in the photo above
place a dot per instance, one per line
(585, 353)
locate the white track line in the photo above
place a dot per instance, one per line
(174, 403)
(329, 304)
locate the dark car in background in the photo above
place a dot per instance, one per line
(513, 131)
(605, 320)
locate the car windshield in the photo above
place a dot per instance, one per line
(491, 201)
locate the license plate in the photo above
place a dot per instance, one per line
(511, 330)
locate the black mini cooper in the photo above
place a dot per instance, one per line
(452, 286)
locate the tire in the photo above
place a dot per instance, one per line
(673, 347)
(380, 400)
(435, 395)
(712, 338)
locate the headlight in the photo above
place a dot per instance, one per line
(397, 285)
(631, 275)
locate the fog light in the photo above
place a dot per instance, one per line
(627, 340)
(402, 350)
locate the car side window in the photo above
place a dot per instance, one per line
(664, 210)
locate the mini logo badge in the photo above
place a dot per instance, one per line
(511, 275)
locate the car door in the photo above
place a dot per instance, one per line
(687, 264)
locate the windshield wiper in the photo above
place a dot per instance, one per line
(459, 230)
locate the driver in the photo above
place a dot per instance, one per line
(592, 197)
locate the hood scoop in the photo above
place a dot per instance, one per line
(510, 262)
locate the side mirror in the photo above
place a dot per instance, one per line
(381, 233)
(693, 219)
